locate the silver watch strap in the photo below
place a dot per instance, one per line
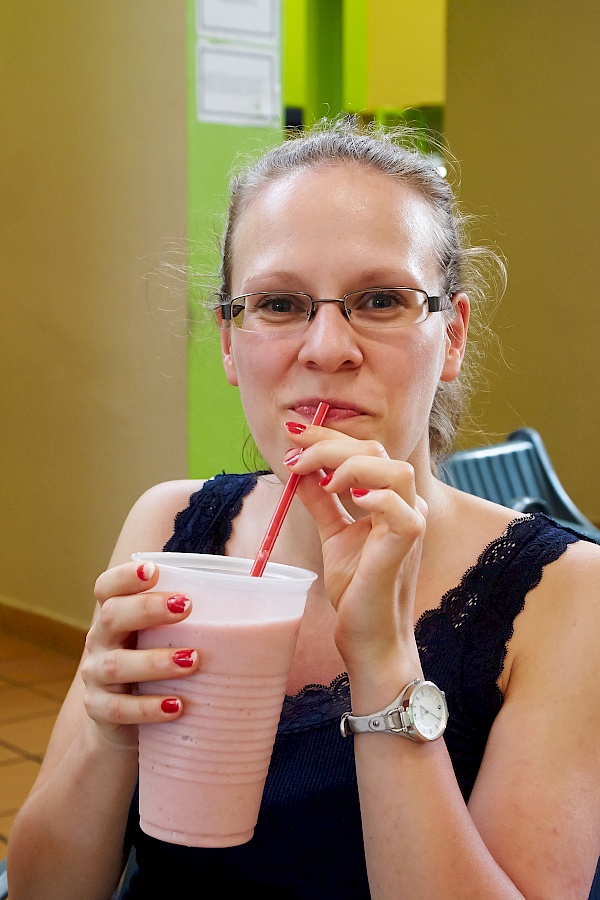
(392, 718)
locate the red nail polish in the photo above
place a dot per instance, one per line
(325, 481)
(170, 705)
(145, 571)
(292, 460)
(178, 603)
(184, 658)
(295, 427)
(359, 492)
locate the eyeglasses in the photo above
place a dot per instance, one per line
(377, 308)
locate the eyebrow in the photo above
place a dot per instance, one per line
(278, 279)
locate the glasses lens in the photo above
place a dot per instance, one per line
(271, 311)
(387, 307)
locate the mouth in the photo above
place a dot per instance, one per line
(338, 409)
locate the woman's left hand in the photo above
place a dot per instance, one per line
(371, 563)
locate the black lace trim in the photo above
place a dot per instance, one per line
(506, 571)
(315, 705)
(205, 525)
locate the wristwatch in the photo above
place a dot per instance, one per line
(419, 713)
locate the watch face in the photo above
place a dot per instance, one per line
(429, 711)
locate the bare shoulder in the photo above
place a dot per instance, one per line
(561, 618)
(150, 522)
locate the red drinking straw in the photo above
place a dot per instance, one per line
(282, 507)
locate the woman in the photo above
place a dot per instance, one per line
(417, 581)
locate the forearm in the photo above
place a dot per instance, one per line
(67, 841)
(419, 837)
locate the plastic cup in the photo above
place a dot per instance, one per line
(201, 776)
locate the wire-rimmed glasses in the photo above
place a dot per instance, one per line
(378, 308)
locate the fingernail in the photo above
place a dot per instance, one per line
(295, 427)
(185, 658)
(170, 705)
(325, 481)
(178, 603)
(359, 492)
(145, 571)
(291, 460)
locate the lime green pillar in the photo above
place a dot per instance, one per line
(313, 53)
(230, 65)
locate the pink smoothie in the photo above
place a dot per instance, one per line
(202, 775)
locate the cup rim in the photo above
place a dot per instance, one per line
(239, 566)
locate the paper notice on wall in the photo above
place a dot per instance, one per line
(237, 85)
(255, 20)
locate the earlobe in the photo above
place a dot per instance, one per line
(227, 355)
(456, 337)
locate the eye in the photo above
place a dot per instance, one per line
(278, 304)
(387, 298)
(384, 301)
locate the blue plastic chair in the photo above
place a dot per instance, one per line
(516, 473)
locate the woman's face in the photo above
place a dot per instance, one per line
(327, 231)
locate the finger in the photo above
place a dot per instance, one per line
(121, 615)
(394, 520)
(326, 509)
(115, 709)
(123, 667)
(369, 473)
(334, 444)
(128, 578)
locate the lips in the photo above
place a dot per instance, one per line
(338, 409)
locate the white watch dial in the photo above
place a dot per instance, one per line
(429, 711)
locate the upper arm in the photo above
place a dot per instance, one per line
(149, 524)
(536, 801)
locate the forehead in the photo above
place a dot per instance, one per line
(341, 215)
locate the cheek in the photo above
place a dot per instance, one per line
(423, 356)
(261, 368)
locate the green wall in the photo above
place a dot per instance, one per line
(216, 425)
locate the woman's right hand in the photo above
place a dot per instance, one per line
(113, 666)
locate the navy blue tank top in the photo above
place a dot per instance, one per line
(308, 842)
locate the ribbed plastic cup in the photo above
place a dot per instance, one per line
(202, 775)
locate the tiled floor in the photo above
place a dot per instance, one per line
(33, 683)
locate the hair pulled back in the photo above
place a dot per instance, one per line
(392, 152)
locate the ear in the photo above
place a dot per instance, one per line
(227, 352)
(456, 337)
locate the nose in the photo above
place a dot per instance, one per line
(329, 341)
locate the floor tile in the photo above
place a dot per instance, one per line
(7, 755)
(5, 826)
(45, 665)
(57, 690)
(33, 684)
(16, 781)
(21, 703)
(14, 647)
(30, 736)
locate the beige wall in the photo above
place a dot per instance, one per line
(92, 371)
(522, 116)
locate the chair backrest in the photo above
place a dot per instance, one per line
(516, 473)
